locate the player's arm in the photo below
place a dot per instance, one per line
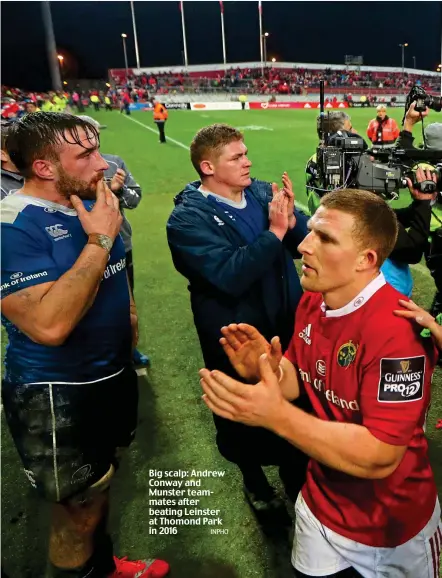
(371, 450)
(48, 312)
(346, 447)
(130, 193)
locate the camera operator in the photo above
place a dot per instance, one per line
(332, 123)
(414, 221)
(433, 252)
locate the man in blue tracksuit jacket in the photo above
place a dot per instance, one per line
(239, 264)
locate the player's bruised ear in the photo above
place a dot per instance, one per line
(367, 259)
(44, 169)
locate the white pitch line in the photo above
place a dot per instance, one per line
(177, 142)
(418, 267)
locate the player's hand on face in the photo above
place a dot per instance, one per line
(243, 345)
(421, 176)
(255, 405)
(117, 181)
(105, 217)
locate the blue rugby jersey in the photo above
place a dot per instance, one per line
(40, 241)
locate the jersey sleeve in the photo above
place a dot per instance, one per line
(25, 261)
(395, 387)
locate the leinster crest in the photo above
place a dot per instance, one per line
(347, 353)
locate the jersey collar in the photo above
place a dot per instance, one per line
(358, 301)
(48, 205)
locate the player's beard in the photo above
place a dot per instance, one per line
(67, 185)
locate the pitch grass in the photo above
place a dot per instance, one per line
(176, 430)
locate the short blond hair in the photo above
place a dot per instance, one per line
(381, 107)
(375, 222)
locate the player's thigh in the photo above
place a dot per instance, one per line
(312, 553)
(62, 434)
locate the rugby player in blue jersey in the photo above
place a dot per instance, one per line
(69, 390)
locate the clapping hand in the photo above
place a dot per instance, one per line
(244, 345)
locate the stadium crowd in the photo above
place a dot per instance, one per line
(274, 80)
(337, 404)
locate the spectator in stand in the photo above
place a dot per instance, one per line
(383, 130)
(160, 116)
(31, 107)
(11, 110)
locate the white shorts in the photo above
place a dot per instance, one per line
(318, 551)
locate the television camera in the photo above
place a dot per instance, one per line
(343, 160)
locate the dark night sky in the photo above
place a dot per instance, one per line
(88, 34)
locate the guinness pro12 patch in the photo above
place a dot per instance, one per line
(401, 379)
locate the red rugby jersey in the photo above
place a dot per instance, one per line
(361, 364)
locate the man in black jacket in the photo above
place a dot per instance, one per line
(234, 239)
(433, 248)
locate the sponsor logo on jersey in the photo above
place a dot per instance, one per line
(347, 353)
(305, 334)
(218, 220)
(20, 279)
(401, 379)
(114, 268)
(320, 367)
(358, 302)
(57, 232)
(329, 394)
(82, 474)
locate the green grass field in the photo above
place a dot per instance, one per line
(175, 429)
